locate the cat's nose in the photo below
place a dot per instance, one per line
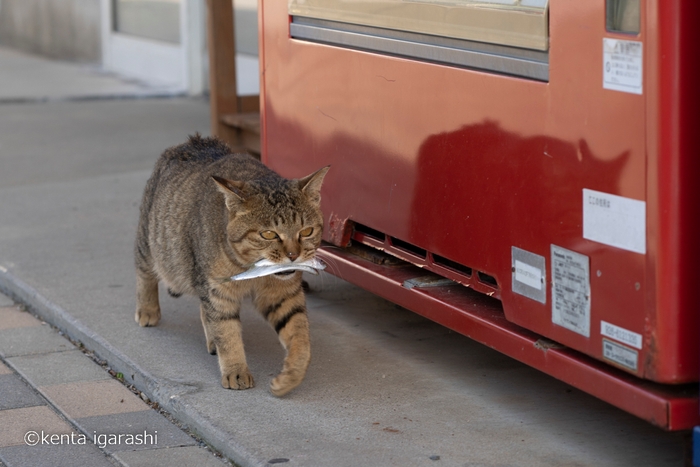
(293, 256)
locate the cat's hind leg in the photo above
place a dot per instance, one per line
(208, 335)
(283, 305)
(147, 307)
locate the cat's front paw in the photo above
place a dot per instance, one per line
(238, 378)
(147, 317)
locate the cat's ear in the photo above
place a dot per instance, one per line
(311, 184)
(234, 191)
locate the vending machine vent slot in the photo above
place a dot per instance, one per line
(488, 280)
(370, 232)
(405, 246)
(449, 264)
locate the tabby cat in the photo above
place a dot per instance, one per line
(208, 214)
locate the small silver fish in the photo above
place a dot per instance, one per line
(266, 267)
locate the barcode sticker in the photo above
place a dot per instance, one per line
(621, 334)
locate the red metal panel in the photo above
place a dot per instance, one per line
(674, 328)
(465, 165)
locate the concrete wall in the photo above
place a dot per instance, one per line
(63, 29)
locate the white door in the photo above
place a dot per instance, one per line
(158, 42)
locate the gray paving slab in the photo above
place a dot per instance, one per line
(67, 141)
(5, 301)
(76, 385)
(61, 455)
(14, 393)
(31, 340)
(14, 317)
(93, 398)
(16, 423)
(173, 457)
(146, 430)
(58, 368)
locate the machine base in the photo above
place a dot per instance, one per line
(481, 318)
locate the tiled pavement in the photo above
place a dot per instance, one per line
(60, 408)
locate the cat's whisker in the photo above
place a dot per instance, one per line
(333, 267)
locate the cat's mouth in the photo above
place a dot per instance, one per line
(285, 273)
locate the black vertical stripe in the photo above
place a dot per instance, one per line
(285, 319)
(272, 308)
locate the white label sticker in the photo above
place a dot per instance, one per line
(615, 220)
(622, 65)
(528, 275)
(621, 334)
(571, 296)
(620, 354)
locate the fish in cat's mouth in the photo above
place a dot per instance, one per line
(266, 267)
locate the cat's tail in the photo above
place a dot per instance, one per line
(174, 294)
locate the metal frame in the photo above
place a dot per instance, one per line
(469, 54)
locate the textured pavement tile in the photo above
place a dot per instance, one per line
(16, 423)
(162, 432)
(94, 398)
(12, 317)
(5, 300)
(14, 393)
(32, 340)
(172, 457)
(4, 370)
(58, 368)
(66, 455)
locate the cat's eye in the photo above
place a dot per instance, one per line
(268, 235)
(306, 232)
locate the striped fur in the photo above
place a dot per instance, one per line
(203, 211)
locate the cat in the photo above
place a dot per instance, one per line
(207, 214)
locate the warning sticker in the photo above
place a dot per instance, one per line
(622, 65)
(620, 354)
(571, 290)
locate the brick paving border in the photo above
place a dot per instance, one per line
(61, 406)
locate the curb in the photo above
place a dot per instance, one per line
(167, 395)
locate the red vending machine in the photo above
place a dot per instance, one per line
(524, 172)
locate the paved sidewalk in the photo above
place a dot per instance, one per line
(385, 386)
(59, 408)
(32, 78)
